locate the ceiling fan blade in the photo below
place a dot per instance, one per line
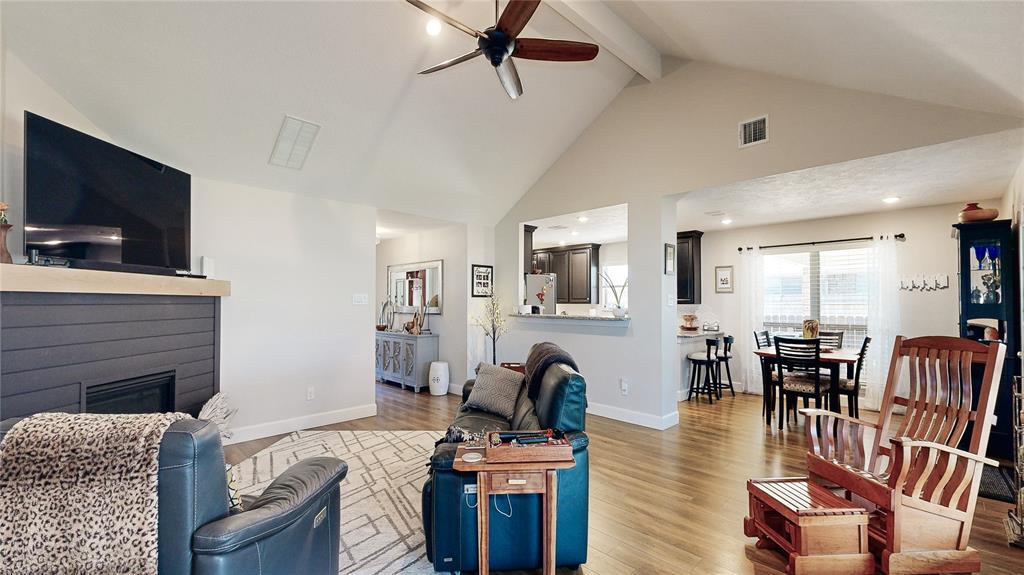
(517, 13)
(446, 18)
(452, 62)
(554, 50)
(509, 77)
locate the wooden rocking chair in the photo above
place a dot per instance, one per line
(907, 471)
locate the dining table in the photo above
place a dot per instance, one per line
(833, 360)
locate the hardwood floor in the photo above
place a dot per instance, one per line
(670, 501)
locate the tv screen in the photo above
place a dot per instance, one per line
(86, 199)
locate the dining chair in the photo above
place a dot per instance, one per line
(832, 339)
(724, 355)
(763, 339)
(851, 387)
(706, 361)
(798, 362)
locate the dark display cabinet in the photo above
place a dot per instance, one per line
(688, 267)
(576, 268)
(990, 311)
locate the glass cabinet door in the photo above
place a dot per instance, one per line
(985, 312)
(986, 266)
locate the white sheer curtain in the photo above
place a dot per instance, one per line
(751, 286)
(883, 318)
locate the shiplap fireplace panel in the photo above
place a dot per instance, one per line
(53, 346)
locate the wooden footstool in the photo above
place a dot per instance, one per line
(819, 532)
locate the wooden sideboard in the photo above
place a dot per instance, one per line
(404, 358)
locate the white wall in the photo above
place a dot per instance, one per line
(658, 140)
(447, 244)
(294, 262)
(929, 249)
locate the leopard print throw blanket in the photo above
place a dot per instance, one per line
(78, 494)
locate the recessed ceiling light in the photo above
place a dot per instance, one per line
(433, 27)
(726, 221)
(891, 200)
(582, 219)
(574, 233)
(561, 243)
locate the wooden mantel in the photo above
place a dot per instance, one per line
(26, 278)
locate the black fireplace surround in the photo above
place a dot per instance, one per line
(107, 353)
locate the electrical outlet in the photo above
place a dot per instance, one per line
(360, 299)
(310, 393)
(624, 386)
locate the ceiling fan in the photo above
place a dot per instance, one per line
(501, 42)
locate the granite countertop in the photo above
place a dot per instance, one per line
(598, 318)
(698, 333)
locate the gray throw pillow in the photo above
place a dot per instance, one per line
(496, 390)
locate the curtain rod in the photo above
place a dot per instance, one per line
(901, 237)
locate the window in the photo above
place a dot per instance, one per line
(618, 275)
(831, 285)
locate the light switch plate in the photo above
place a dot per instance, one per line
(360, 299)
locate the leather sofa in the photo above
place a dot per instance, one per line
(449, 496)
(293, 527)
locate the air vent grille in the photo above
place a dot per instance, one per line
(753, 131)
(294, 142)
(558, 227)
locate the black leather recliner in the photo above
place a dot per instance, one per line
(293, 527)
(449, 496)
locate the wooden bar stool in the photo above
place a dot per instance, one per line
(706, 361)
(723, 358)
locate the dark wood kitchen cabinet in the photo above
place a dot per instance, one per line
(576, 268)
(688, 267)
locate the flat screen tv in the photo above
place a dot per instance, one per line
(87, 200)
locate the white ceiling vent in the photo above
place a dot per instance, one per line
(753, 131)
(294, 141)
(558, 227)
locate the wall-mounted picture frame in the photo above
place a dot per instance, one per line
(482, 280)
(723, 279)
(670, 259)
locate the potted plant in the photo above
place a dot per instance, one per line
(617, 293)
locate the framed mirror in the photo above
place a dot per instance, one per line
(411, 286)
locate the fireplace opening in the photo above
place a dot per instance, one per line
(146, 394)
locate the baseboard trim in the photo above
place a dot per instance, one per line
(635, 417)
(261, 430)
(456, 389)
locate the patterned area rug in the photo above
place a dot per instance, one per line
(381, 526)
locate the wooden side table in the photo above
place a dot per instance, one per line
(514, 478)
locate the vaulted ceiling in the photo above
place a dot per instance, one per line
(964, 54)
(204, 86)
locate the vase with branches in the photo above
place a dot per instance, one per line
(617, 293)
(493, 323)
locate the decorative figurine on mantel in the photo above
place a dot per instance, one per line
(5, 256)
